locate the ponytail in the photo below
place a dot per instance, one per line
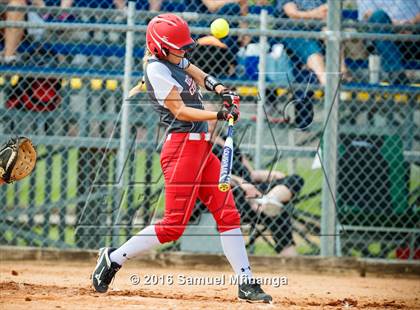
(147, 55)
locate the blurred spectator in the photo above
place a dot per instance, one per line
(261, 2)
(308, 51)
(13, 36)
(102, 4)
(391, 12)
(255, 7)
(223, 7)
(252, 184)
(227, 7)
(164, 5)
(155, 5)
(397, 12)
(214, 57)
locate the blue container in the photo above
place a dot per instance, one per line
(251, 67)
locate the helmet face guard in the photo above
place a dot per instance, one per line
(189, 47)
(186, 48)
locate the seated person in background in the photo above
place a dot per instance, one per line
(14, 36)
(102, 4)
(227, 7)
(214, 57)
(258, 5)
(97, 4)
(308, 51)
(250, 184)
(65, 4)
(223, 7)
(392, 12)
(155, 5)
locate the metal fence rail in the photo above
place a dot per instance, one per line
(98, 179)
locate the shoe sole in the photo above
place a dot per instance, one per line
(255, 301)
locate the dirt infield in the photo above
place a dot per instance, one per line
(61, 285)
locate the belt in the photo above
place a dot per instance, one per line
(193, 136)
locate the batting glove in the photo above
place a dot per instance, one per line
(229, 98)
(226, 114)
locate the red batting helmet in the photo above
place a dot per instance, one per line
(167, 32)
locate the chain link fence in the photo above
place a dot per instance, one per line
(339, 151)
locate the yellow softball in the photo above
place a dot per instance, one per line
(219, 28)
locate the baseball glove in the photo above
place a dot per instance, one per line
(17, 159)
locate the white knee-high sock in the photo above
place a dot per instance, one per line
(143, 241)
(234, 248)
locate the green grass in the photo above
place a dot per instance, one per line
(53, 235)
(415, 177)
(262, 248)
(313, 182)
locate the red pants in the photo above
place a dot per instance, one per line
(191, 170)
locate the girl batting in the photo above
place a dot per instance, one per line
(190, 168)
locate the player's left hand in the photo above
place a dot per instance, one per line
(229, 98)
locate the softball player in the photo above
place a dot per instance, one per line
(190, 168)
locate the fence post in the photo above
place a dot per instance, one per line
(261, 89)
(329, 147)
(125, 123)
